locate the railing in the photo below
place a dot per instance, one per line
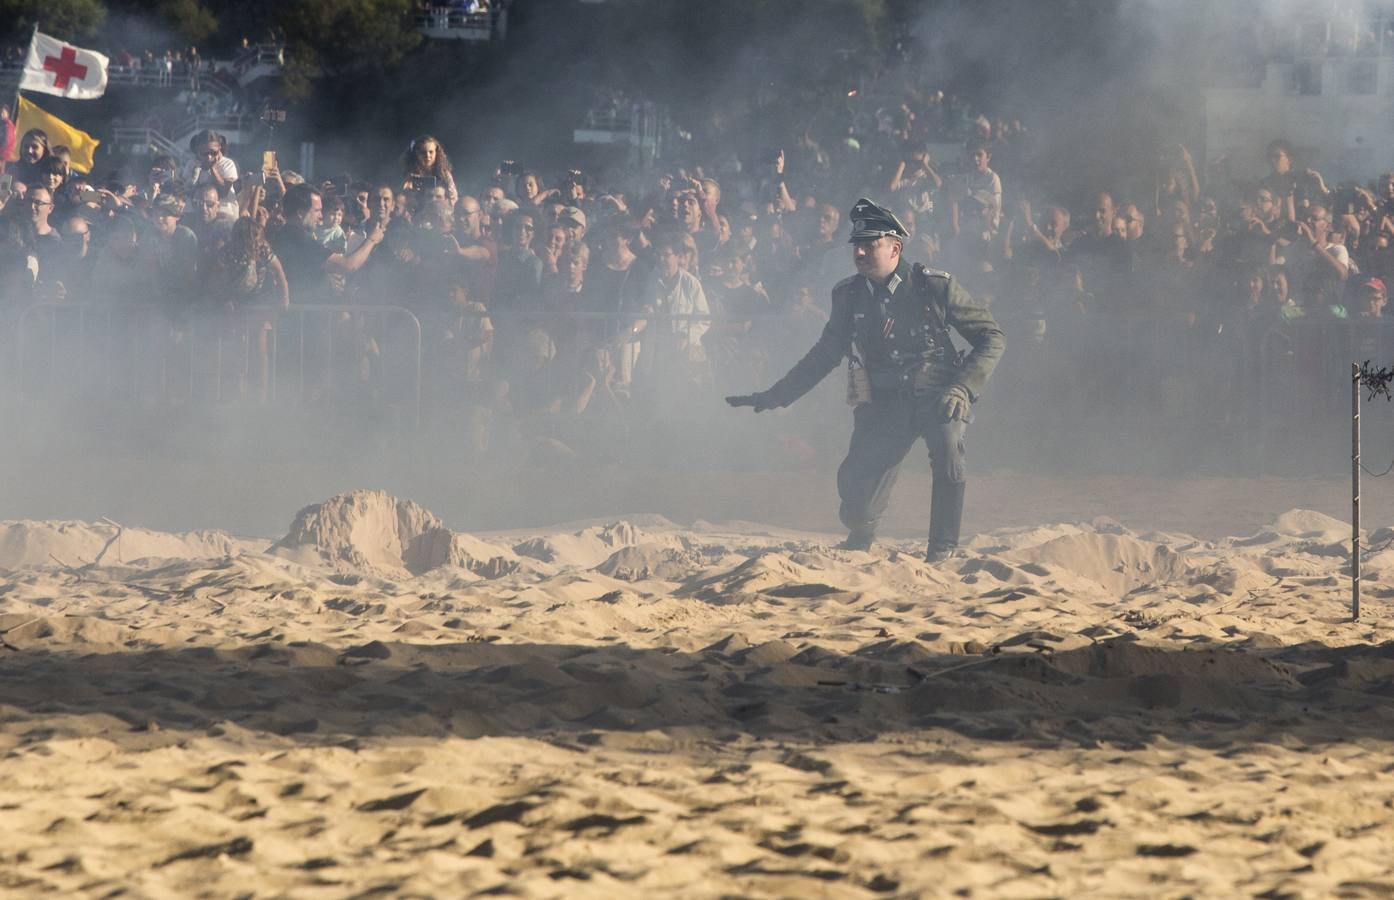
(150, 353)
(149, 140)
(182, 78)
(1302, 358)
(181, 75)
(144, 140)
(195, 123)
(1257, 390)
(463, 21)
(260, 55)
(455, 24)
(642, 125)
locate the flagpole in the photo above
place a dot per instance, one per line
(14, 116)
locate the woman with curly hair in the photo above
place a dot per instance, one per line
(426, 158)
(247, 271)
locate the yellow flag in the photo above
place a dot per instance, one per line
(82, 145)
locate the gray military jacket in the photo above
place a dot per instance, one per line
(898, 331)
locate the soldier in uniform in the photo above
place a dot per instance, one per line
(891, 323)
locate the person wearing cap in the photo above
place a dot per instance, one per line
(891, 322)
(1373, 299)
(573, 220)
(172, 250)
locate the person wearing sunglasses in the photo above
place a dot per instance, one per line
(213, 166)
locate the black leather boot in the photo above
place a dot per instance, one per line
(856, 540)
(945, 516)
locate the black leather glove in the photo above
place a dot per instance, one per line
(955, 403)
(760, 401)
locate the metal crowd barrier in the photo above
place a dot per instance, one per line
(1265, 377)
(1306, 363)
(149, 352)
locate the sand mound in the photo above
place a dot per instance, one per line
(1020, 538)
(23, 631)
(25, 544)
(1311, 526)
(745, 709)
(647, 561)
(590, 546)
(376, 532)
(1118, 562)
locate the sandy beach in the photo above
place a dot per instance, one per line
(373, 705)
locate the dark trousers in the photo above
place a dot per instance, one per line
(883, 433)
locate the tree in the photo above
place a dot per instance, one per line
(158, 24)
(190, 19)
(66, 19)
(343, 36)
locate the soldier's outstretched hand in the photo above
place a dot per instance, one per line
(955, 403)
(758, 401)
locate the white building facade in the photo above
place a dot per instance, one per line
(1329, 91)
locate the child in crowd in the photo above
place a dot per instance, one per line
(331, 233)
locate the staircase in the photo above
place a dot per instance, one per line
(174, 140)
(258, 61)
(149, 142)
(222, 79)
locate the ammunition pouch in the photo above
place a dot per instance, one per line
(858, 382)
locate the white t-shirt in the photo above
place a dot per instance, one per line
(227, 169)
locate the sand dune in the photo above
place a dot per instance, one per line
(373, 705)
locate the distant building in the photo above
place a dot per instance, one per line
(1326, 85)
(463, 20)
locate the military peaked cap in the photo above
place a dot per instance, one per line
(871, 221)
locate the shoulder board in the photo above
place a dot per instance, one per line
(932, 273)
(847, 282)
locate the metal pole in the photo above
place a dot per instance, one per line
(1354, 492)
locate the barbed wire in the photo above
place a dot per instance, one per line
(1377, 381)
(1380, 383)
(1371, 551)
(1373, 474)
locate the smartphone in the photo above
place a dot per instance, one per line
(423, 182)
(268, 160)
(7, 181)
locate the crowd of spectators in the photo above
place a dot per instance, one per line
(553, 299)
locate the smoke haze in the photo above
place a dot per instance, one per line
(1101, 86)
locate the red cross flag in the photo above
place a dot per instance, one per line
(54, 67)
